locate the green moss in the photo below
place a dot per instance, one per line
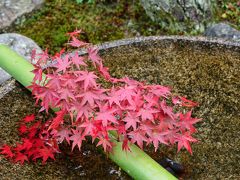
(229, 10)
(101, 21)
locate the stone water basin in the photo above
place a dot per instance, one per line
(206, 71)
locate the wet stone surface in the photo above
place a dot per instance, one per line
(206, 72)
(10, 10)
(88, 164)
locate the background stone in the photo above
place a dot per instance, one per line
(20, 44)
(177, 14)
(10, 10)
(223, 30)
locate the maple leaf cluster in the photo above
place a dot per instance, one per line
(36, 142)
(137, 112)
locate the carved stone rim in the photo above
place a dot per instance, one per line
(197, 39)
(129, 41)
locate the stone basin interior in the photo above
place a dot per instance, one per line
(207, 72)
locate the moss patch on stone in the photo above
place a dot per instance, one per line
(101, 21)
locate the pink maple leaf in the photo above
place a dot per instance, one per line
(58, 55)
(159, 137)
(66, 94)
(78, 60)
(127, 93)
(62, 135)
(90, 97)
(77, 138)
(81, 110)
(62, 64)
(138, 136)
(94, 57)
(187, 103)
(48, 96)
(105, 73)
(54, 81)
(68, 80)
(106, 144)
(147, 113)
(106, 114)
(167, 109)
(37, 74)
(43, 57)
(158, 90)
(88, 126)
(186, 121)
(76, 32)
(131, 120)
(77, 43)
(88, 78)
(183, 141)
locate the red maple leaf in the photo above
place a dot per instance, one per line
(20, 157)
(26, 145)
(29, 118)
(44, 153)
(57, 120)
(22, 129)
(6, 151)
(188, 103)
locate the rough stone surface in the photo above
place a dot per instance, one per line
(20, 44)
(205, 71)
(179, 13)
(12, 9)
(222, 30)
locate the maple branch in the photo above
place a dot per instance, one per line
(136, 163)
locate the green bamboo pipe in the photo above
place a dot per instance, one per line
(136, 163)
